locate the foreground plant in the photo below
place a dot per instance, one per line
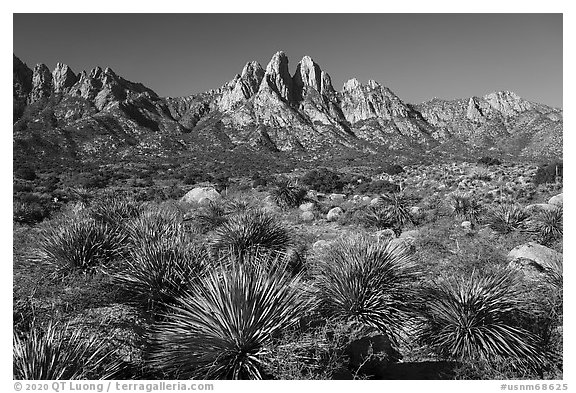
(507, 218)
(62, 352)
(368, 281)
(250, 230)
(80, 245)
(223, 327)
(156, 273)
(154, 225)
(475, 319)
(547, 227)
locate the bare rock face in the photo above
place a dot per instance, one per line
(507, 103)
(63, 78)
(242, 87)
(22, 85)
(473, 112)
(277, 77)
(308, 76)
(41, 83)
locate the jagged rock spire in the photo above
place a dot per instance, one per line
(277, 77)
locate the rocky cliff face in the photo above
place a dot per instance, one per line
(272, 109)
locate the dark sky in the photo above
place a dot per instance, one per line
(418, 56)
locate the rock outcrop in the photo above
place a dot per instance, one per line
(41, 83)
(63, 78)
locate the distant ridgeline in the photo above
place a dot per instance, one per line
(99, 116)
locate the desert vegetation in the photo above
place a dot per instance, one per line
(439, 271)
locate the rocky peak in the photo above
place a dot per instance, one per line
(41, 83)
(326, 86)
(307, 75)
(242, 87)
(350, 85)
(22, 78)
(473, 111)
(507, 103)
(63, 78)
(277, 77)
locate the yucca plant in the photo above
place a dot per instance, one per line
(80, 245)
(465, 207)
(398, 206)
(547, 227)
(209, 217)
(507, 218)
(287, 194)
(249, 230)
(115, 211)
(62, 352)
(474, 318)
(222, 328)
(379, 217)
(156, 273)
(367, 280)
(154, 225)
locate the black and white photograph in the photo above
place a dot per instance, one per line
(287, 196)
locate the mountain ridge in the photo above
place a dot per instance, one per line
(273, 110)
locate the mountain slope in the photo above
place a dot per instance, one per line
(100, 115)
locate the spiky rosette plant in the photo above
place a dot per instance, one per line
(209, 217)
(222, 329)
(250, 230)
(397, 204)
(507, 218)
(156, 273)
(475, 318)
(62, 352)
(547, 227)
(287, 194)
(80, 245)
(465, 207)
(154, 225)
(115, 211)
(360, 279)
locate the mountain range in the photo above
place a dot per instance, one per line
(99, 115)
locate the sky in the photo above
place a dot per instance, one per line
(418, 56)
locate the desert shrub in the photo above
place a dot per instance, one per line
(377, 187)
(29, 213)
(506, 218)
(157, 272)
(25, 173)
(81, 244)
(369, 281)
(489, 161)
(393, 169)
(547, 226)
(465, 207)
(62, 352)
(474, 318)
(322, 180)
(548, 173)
(91, 180)
(250, 230)
(287, 194)
(222, 328)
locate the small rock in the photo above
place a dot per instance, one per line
(374, 201)
(387, 233)
(334, 213)
(414, 233)
(467, 225)
(543, 256)
(320, 245)
(194, 195)
(305, 207)
(556, 200)
(366, 199)
(337, 197)
(307, 216)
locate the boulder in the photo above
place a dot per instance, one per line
(538, 254)
(366, 199)
(204, 201)
(337, 197)
(196, 194)
(375, 201)
(556, 200)
(540, 207)
(414, 233)
(334, 213)
(307, 216)
(320, 245)
(466, 225)
(406, 243)
(387, 233)
(370, 355)
(307, 207)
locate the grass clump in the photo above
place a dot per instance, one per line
(62, 352)
(223, 327)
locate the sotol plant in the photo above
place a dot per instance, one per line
(547, 227)
(287, 194)
(250, 230)
(474, 319)
(507, 218)
(368, 281)
(222, 328)
(465, 207)
(62, 352)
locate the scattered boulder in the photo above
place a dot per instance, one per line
(337, 197)
(334, 213)
(387, 233)
(466, 225)
(556, 200)
(414, 233)
(306, 207)
(307, 216)
(374, 201)
(415, 210)
(366, 199)
(196, 194)
(204, 201)
(540, 207)
(535, 253)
